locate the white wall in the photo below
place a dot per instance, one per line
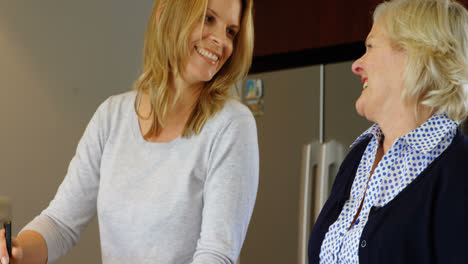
(58, 61)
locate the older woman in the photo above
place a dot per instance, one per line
(171, 168)
(401, 195)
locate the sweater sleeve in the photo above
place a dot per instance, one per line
(74, 204)
(229, 193)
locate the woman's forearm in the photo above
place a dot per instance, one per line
(34, 248)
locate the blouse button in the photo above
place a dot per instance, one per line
(363, 243)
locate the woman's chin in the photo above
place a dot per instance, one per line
(359, 107)
(207, 76)
(361, 110)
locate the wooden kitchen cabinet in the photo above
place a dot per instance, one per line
(292, 32)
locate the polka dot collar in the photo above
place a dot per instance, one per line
(436, 127)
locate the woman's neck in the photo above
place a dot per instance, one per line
(177, 114)
(188, 97)
(397, 125)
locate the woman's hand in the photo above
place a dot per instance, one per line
(16, 250)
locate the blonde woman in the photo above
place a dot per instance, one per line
(401, 195)
(171, 168)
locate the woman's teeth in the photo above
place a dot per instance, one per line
(207, 54)
(364, 86)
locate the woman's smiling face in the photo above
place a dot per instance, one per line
(212, 47)
(382, 73)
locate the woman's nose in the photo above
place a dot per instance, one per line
(357, 66)
(218, 35)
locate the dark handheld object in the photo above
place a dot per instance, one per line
(7, 226)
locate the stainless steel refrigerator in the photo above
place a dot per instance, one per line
(307, 125)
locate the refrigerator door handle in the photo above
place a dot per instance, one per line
(308, 169)
(330, 157)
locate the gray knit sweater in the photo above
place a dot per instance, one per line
(186, 201)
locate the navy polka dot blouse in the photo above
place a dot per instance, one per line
(404, 161)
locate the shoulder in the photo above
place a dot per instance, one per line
(233, 109)
(449, 171)
(117, 102)
(232, 113)
(457, 150)
(455, 156)
(234, 122)
(116, 107)
(113, 111)
(464, 144)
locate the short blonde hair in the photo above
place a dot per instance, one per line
(434, 35)
(166, 50)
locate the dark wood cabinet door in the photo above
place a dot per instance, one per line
(296, 25)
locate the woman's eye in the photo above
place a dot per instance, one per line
(209, 18)
(231, 32)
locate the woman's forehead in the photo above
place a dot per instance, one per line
(227, 10)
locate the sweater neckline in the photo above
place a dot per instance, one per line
(137, 134)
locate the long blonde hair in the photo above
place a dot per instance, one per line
(166, 49)
(434, 35)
